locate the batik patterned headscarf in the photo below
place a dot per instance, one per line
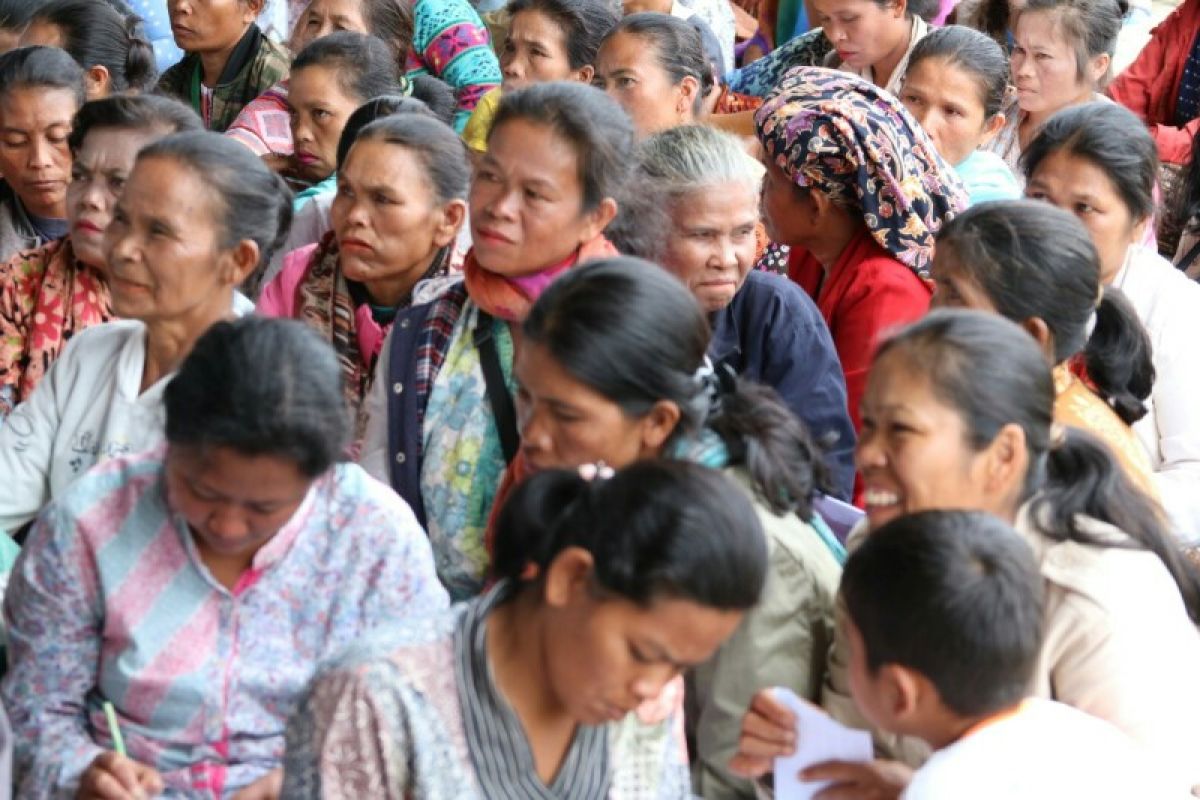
(855, 142)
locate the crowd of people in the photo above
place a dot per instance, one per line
(461, 401)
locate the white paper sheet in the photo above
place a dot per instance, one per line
(819, 738)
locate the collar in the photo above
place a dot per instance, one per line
(243, 53)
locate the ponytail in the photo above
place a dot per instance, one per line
(657, 529)
(1118, 357)
(98, 34)
(141, 71)
(786, 467)
(1084, 480)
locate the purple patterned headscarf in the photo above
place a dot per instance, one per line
(855, 142)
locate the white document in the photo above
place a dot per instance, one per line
(819, 738)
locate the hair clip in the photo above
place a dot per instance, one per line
(590, 472)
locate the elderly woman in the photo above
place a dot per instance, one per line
(41, 88)
(763, 326)
(229, 61)
(49, 294)
(197, 215)
(400, 202)
(441, 425)
(858, 190)
(197, 586)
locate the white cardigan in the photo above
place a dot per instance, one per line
(87, 409)
(1168, 305)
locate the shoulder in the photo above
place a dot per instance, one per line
(1164, 297)
(361, 506)
(95, 504)
(174, 80)
(414, 652)
(766, 290)
(274, 60)
(91, 345)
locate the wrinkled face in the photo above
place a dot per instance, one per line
(210, 26)
(861, 31)
(163, 246)
(948, 102)
(233, 503)
(913, 450)
(1044, 65)
(527, 200)
(1078, 185)
(534, 52)
(607, 656)
(629, 70)
(323, 17)
(101, 168)
(787, 211)
(565, 423)
(34, 157)
(385, 216)
(319, 107)
(711, 244)
(954, 286)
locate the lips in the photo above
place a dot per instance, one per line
(492, 236)
(85, 226)
(306, 159)
(355, 244)
(46, 185)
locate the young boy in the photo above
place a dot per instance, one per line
(944, 623)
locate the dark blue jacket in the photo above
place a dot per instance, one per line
(772, 333)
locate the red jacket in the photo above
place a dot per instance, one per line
(1149, 86)
(865, 295)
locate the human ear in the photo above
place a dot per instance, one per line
(902, 690)
(1040, 331)
(239, 262)
(452, 216)
(1099, 68)
(822, 205)
(992, 127)
(598, 218)
(567, 576)
(1006, 461)
(97, 82)
(658, 425)
(584, 74)
(689, 88)
(252, 9)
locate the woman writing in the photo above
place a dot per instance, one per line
(1099, 162)
(41, 88)
(228, 61)
(858, 191)
(49, 294)
(196, 216)
(197, 586)
(609, 588)
(958, 414)
(400, 202)
(542, 196)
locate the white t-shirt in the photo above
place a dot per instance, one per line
(87, 409)
(1168, 305)
(1043, 751)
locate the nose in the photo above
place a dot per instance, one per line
(41, 153)
(1021, 65)
(504, 205)
(868, 453)
(835, 33)
(93, 196)
(300, 130)
(118, 246)
(225, 522)
(728, 253)
(535, 435)
(650, 683)
(513, 68)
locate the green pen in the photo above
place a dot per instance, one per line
(114, 730)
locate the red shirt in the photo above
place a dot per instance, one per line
(865, 295)
(1149, 86)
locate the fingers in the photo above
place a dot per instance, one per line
(750, 767)
(114, 777)
(769, 708)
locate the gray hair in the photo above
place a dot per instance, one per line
(673, 164)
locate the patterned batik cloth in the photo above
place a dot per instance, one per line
(857, 144)
(451, 42)
(46, 297)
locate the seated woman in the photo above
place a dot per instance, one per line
(557, 160)
(959, 415)
(197, 586)
(764, 327)
(548, 40)
(1038, 267)
(41, 88)
(401, 199)
(112, 48)
(228, 60)
(1061, 56)
(612, 368)
(196, 216)
(872, 38)
(1099, 162)
(1160, 85)
(609, 587)
(859, 209)
(49, 294)
(955, 86)
(331, 78)
(654, 66)
(716, 17)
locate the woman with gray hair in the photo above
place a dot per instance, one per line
(699, 186)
